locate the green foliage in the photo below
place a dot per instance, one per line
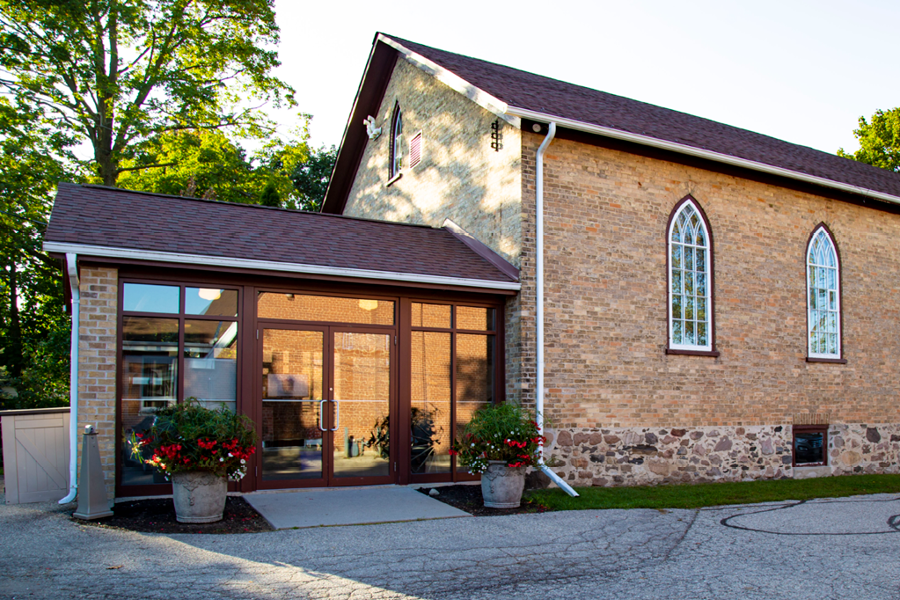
(716, 494)
(33, 324)
(504, 432)
(116, 73)
(311, 178)
(879, 140)
(189, 437)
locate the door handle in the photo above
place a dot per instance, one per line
(337, 415)
(322, 415)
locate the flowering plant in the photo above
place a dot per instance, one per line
(504, 432)
(189, 437)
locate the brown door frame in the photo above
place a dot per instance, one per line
(328, 478)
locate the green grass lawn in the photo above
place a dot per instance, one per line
(715, 494)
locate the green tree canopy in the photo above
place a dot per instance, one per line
(879, 140)
(117, 73)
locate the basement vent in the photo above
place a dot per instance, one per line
(415, 150)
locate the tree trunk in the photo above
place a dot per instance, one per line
(14, 344)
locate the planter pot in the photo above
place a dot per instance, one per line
(502, 486)
(199, 496)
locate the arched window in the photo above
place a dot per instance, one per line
(823, 296)
(690, 280)
(396, 143)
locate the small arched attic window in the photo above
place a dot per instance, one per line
(396, 159)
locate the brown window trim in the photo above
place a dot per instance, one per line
(823, 429)
(393, 180)
(840, 277)
(710, 281)
(836, 361)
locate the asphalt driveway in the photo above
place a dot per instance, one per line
(847, 548)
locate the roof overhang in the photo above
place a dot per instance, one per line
(85, 250)
(618, 134)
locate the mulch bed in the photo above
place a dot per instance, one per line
(468, 498)
(158, 516)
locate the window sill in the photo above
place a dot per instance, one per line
(391, 181)
(712, 353)
(837, 361)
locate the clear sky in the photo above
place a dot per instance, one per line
(802, 71)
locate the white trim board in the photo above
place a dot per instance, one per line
(242, 263)
(525, 113)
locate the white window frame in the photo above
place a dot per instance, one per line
(396, 149)
(708, 347)
(822, 231)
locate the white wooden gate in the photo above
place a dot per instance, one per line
(35, 454)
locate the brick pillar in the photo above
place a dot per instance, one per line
(97, 364)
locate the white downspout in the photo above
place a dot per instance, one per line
(72, 266)
(539, 220)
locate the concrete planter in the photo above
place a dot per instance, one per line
(199, 496)
(502, 486)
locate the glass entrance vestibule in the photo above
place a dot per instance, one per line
(344, 386)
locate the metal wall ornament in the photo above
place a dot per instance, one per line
(496, 136)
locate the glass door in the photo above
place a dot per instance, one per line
(293, 436)
(326, 403)
(362, 407)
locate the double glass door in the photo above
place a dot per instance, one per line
(327, 397)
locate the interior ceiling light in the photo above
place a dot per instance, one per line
(209, 294)
(368, 304)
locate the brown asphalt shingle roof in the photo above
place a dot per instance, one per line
(550, 96)
(100, 216)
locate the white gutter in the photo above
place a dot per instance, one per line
(72, 266)
(539, 313)
(707, 154)
(242, 263)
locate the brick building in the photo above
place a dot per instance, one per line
(717, 304)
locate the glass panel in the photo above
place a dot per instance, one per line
(676, 282)
(701, 285)
(470, 317)
(431, 369)
(431, 315)
(689, 283)
(325, 308)
(688, 259)
(688, 307)
(210, 301)
(676, 307)
(362, 393)
(676, 256)
(210, 363)
(832, 344)
(812, 277)
(139, 297)
(689, 333)
(292, 389)
(701, 260)
(149, 381)
(677, 335)
(809, 448)
(701, 310)
(474, 377)
(831, 283)
(701, 334)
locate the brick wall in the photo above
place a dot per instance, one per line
(460, 176)
(97, 363)
(606, 322)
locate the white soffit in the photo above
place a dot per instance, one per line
(455, 82)
(241, 263)
(525, 113)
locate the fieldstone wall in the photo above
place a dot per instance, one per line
(97, 364)
(460, 176)
(654, 455)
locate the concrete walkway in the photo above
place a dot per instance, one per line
(822, 549)
(348, 506)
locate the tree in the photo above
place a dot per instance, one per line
(117, 73)
(311, 178)
(34, 337)
(879, 140)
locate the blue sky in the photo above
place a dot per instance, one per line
(798, 70)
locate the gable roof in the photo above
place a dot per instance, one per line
(106, 222)
(514, 95)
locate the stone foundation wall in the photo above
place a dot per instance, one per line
(661, 455)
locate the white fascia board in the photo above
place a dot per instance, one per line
(84, 250)
(525, 113)
(455, 82)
